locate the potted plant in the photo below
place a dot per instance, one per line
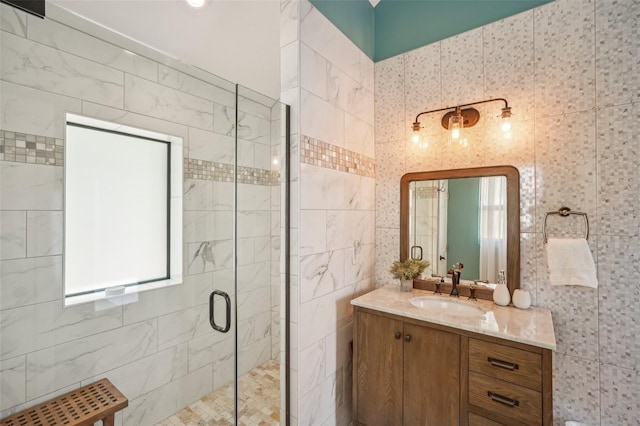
(406, 271)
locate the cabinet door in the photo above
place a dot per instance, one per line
(379, 370)
(431, 376)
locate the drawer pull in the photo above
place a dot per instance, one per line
(503, 399)
(503, 364)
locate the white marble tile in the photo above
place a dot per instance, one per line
(223, 195)
(253, 197)
(146, 374)
(262, 156)
(359, 263)
(358, 136)
(252, 223)
(244, 251)
(182, 326)
(68, 363)
(207, 226)
(198, 194)
(30, 281)
(253, 276)
(148, 98)
(256, 354)
(210, 349)
(13, 20)
(289, 21)
(253, 129)
(153, 407)
(209, 146)
(30, 187)
(321, 274)
(313, 231)
(318, 404)
(193, 291)
(224, 119)
(44, 233)
(313, 72)
(338, 349)
(34, 327)
(39, 400)
(348, 227)
(253, 301)
(209, 256)
(13, 234)
(367, 72)
(13, 377)
(330, 189)
(320, 317)
(185, 83)
(67, 39)
(34, 111)
(41, 67)
(313, 359)
(321, 120)
(151, 122)
(321, 35)
(573, 22)
(349, 95)
(253, 103)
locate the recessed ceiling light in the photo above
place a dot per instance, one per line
(196, 3)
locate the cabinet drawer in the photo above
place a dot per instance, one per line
(503, 362)
(476, 420)
(509, 400)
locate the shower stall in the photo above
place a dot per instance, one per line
(206, 342)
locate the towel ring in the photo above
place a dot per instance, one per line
(564, 212)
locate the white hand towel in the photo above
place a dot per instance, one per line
(570, 262)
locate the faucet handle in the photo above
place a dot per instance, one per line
(472, 292)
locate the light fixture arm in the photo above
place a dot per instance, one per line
(459, 107)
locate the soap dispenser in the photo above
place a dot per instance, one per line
(501, 294)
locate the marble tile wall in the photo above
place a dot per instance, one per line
(571, 71)
(160, 345)
(328, 82)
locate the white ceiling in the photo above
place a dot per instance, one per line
(238, 40)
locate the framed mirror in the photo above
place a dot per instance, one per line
(471, 216)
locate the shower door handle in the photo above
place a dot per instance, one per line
(212, 319)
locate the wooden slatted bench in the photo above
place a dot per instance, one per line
(81, 407)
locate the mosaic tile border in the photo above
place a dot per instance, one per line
(223, 172)
(322, 154)
(33, 149)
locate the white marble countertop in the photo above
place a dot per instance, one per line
(531, 326)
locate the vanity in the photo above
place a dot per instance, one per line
(426, 358)
(423, 365)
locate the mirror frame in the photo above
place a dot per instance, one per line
(513, 220)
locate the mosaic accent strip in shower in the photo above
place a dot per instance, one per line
(223, 172)
(322, 154)
(25, 148)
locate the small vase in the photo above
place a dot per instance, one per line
(521, 299)
(406, 284)
(501, 295)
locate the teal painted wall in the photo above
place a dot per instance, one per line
(397, 26)
(463, 222)
(354, 18)
(403, 25)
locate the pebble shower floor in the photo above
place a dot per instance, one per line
(258, 402)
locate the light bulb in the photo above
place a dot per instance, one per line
(506, 125)
(455, 133)
(275, 161)
(196, 3)
(456, 126)
(415, 138)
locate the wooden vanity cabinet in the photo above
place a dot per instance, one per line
(410, 372)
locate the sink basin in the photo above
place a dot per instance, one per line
(447, 307)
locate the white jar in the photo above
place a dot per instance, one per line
(501, 295)
(521, 299)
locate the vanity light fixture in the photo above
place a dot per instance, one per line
(463, 116)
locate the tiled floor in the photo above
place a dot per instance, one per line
(258, 402)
